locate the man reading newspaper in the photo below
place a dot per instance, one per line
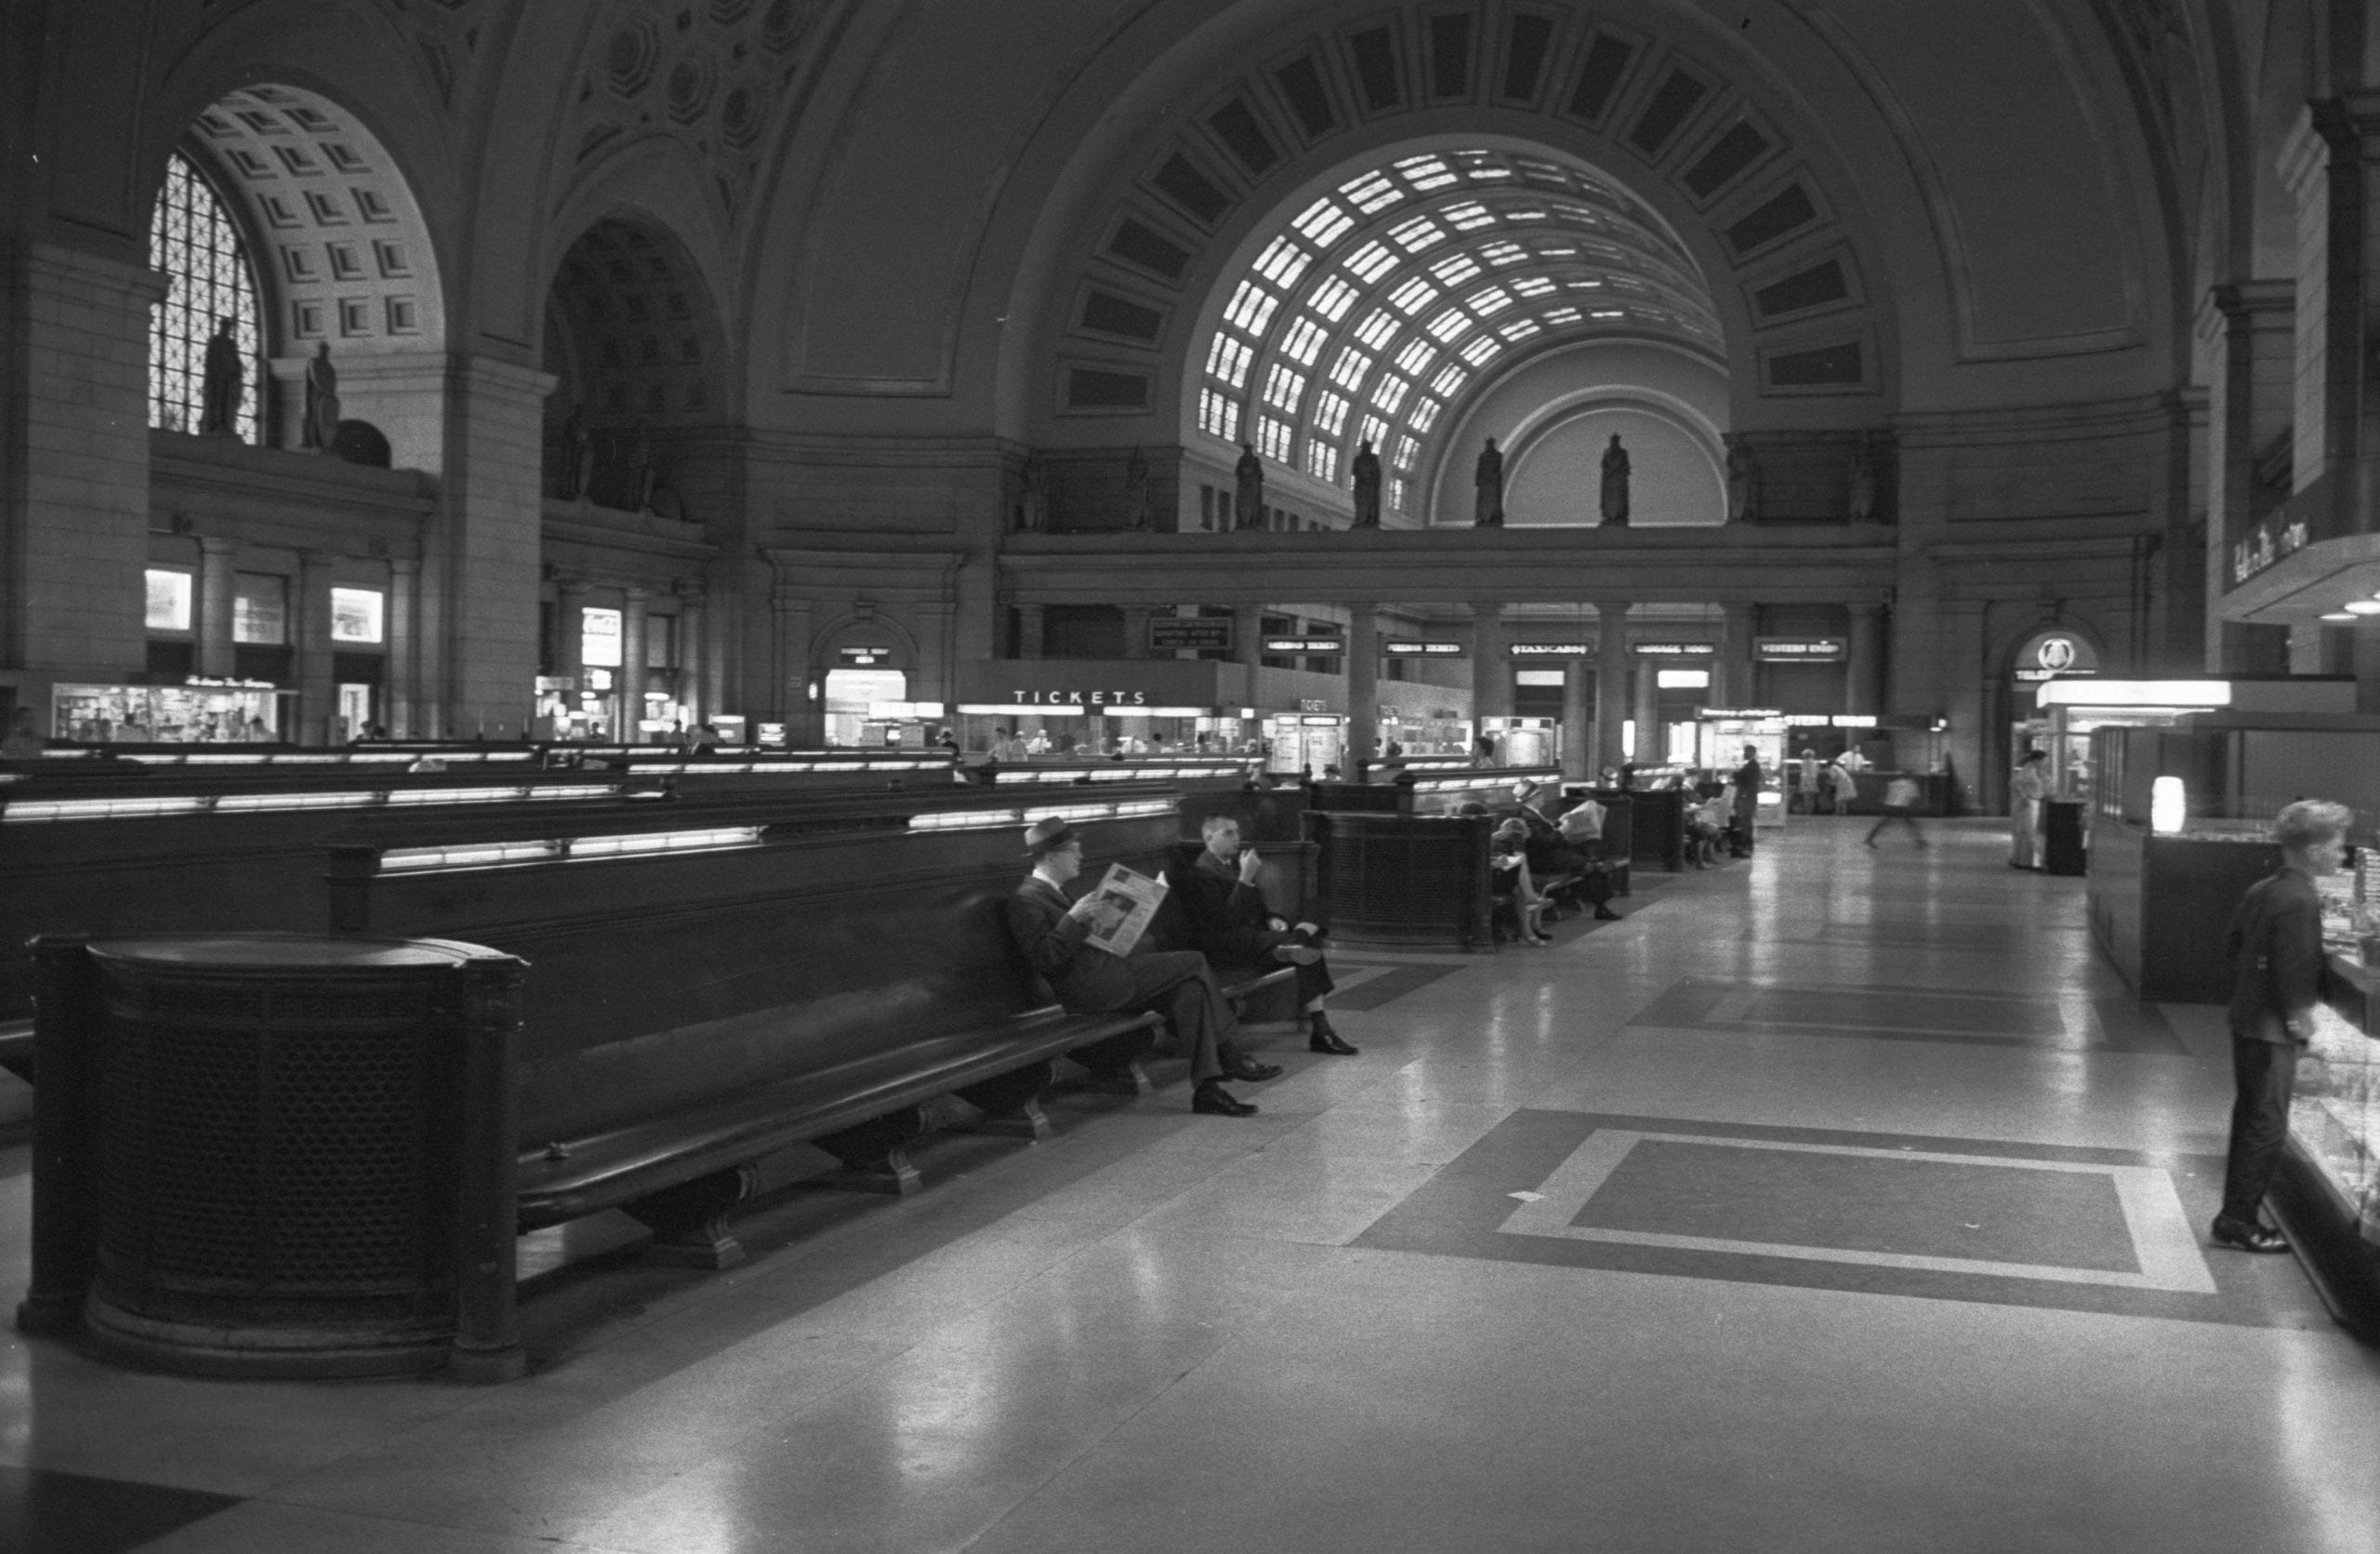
(1058, 942)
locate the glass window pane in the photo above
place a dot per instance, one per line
(260, 609)
(599, 638)
(169, 600)
(194, 245)
(357, 615)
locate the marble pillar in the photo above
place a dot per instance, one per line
(401, 691)
(1649, 736)
(1863, 688)
(1735, 687)
(1578, 741)
(1611, 683)
(216, 580)
(1363, 686)
(1492, 672)
(630, 683)
(317, 696)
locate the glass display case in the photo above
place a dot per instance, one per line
(218, 712)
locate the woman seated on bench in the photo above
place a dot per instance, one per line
(1178, 984)
(1510, 886)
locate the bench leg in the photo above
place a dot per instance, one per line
(873, 1154)
(1010, 1104)
(689, 1221)
(1115, 1063)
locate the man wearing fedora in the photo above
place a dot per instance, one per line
(1177, 984)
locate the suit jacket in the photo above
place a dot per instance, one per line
(1228, 920)
(1086, 980)
(2275, 940)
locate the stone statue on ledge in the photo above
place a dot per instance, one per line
(1861, 502)
(1615, 483)
(1248, 492)
(1487, 488)
(1136, 491)
(321, 428)
(577, 457)
(1365, 469)
(642, 468)
(1743, 481)
(226, 384)
(1033, 495)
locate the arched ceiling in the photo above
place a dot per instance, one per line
(1364, 316)
(631, 332)
(339, 244)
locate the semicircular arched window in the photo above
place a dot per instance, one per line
(194, 243)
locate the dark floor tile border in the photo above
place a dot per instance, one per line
(2124, 1026)
(46, 1512)
(1457, 1212)
(1390, 986)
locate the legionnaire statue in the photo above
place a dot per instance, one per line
(1861, 504)
(1136, 491)
(1366, 469)
(1615, 483)
(226, 384)
(322, 400)
(1033, 497)
(1743, 482)
(1247, 493)
(642, 468)
(1487, 488)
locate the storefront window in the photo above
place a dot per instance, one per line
(260, 609)
(145, 714)
(849, 692)
(598, 638)
(169, 600)
(356, 615)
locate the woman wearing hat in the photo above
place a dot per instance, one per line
(1178, 984)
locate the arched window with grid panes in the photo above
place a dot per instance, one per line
(195, 244)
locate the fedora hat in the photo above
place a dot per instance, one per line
(1047, 835)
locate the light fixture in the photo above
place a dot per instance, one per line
(2364, 607)
(2339, 615)
(2168, 806)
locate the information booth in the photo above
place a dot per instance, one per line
(1721, 734)
(1525, 741)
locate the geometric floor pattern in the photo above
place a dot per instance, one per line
(1836, 1200)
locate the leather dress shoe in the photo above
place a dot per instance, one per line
(1210, 1099)
(2248, 1236)
(1323, 1038)
(1605, 914)
(1242, 1067)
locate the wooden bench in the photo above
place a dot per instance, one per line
(689, 1014)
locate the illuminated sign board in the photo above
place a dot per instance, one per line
(1423, 649)
(1676, 650)
(1170, 633)
(1800, 650)
(860, 658)
(1078, 699)
(1550, 649)
(1304, 644)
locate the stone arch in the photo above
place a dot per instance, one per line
(343, 257)
(633, 335)
(1803, 305)
(1571, 432)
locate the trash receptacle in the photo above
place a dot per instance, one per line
(267, 1135)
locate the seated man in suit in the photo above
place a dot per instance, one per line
(1231, 924)
(1176, 983)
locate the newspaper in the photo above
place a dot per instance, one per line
(1123, 905)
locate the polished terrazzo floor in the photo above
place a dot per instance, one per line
(1837, 1200)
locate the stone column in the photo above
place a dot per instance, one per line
(480, 572)
(216, 587)
(1578, 738)
(1864, 661)
(74, 441)
(694, 679)
(2329, 167)
(804, 718)
(2247, 332)
(630, 683)
(1248, 639)
(1032, 631)
(1611, 683)
(1978, 755)
(570, 632)
(1363, 686)
(1491, 673)
(1649, 740)
(1735, 670)
(1136, 630)
(317, 696)
(403, 688)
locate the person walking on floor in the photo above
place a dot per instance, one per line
(1052, 933)
(1900, 803)
(2275, 941)
(2026, 789)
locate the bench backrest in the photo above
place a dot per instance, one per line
(657, 981)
